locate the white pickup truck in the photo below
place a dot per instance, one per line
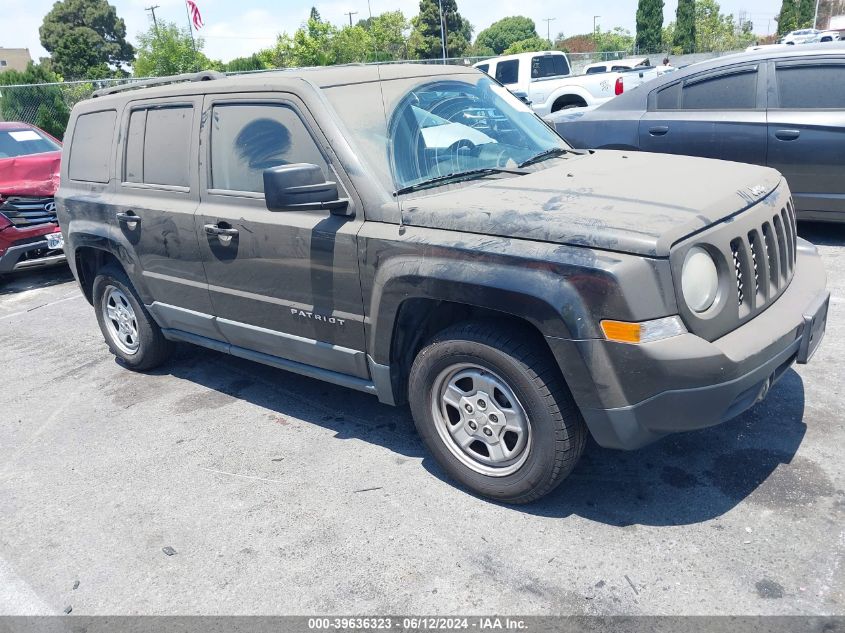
(546, 79)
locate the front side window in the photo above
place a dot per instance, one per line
(811, 87)
(248, 138)
(548, 66)
(448, 127)
(508, 72)
(734, 91)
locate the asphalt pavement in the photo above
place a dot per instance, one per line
(219, 486)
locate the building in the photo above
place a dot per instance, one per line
(14, 58)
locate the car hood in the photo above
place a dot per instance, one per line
(621, 201)
(31, 175)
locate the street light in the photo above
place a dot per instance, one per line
(442, 31)
(595, 17)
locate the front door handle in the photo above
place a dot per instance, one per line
(223, 233)
(788, 135)
(129, 219)
(659, 130)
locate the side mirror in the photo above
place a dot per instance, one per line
(301, 187)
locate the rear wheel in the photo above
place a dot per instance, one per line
(492, 408)
(130, 332)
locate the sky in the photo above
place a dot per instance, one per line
(241, 27)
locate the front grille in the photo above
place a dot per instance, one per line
(26, 211)
(764, 260)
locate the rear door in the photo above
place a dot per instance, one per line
(806, 131)
(282, 283)
(157, 196)
(716, 114)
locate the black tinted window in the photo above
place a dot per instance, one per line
(91, 147)
(548, 66)
(736, 91)
(508, 72)
(816, 87)
(247, 139)
(595, 70)
(667, 98)
(167, 146)
(483, 67)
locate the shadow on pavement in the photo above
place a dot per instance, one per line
(682, 479)
(823, 233)
(30, 280)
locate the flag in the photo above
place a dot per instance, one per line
(194, 12)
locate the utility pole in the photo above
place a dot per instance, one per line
(548, 22)
(816, 16)
(152, 11)
(350, 14)
(442, 31)
(595, 17)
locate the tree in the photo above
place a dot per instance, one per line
(684, 35)
(388, 35)
(425, 40)
(507, 31)
(315, 15)
(649, 25)
(788, 17)
(806, 13)
(244, 64)
(716, 31)
(85, 38)
(351, 44)
(618, 39)
(169, 50)
(528, 45)
(40, 105)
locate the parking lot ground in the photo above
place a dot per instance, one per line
(278, 494)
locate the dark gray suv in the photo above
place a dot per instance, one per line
(783, 107)
(417, 233)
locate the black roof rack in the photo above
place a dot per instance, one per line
(206, 75)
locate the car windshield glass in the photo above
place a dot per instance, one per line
(440, 127)
(24, 141)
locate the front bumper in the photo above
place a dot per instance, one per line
(29, 256)
(643, 392)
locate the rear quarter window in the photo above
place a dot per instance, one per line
(483, 67)
(91, 146)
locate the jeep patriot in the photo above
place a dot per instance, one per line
(418, 233)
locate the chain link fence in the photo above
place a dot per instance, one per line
(48, 105)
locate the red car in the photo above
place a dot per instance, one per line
(29, 176)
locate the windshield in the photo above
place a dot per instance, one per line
(25, 141)
(437, 128)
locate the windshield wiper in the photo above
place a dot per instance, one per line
(546, 153)
(457, 177)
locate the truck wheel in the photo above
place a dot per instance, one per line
(491, 406)
(130, 332)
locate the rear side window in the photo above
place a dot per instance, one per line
(734, 91)
(247, 138)
(483, 67)
(815, 87)
(595, 70)
(158, 146)
(548, 66)
(91, 147)
(508, 72)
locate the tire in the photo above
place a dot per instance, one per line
(143, 346)
(476, 358)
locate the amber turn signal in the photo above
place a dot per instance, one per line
(621, 331)
(644, 332)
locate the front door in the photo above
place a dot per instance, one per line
(806, 122)
(281, 283)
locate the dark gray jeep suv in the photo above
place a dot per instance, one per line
(417, 233)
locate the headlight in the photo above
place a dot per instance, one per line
(699, 279)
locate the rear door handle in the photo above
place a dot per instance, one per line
(224, 234)
(659, 130)
(129, 219)
(788, 135)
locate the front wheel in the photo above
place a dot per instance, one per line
(493, 409)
